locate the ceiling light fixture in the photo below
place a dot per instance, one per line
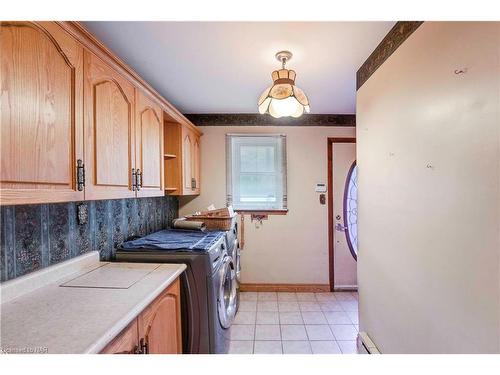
(283, 98)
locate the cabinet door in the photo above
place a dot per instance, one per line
(196, 164)
(159, 323)
(41, 96)
(149, 146)
(109, 120)
(126, 342)
(187, 160)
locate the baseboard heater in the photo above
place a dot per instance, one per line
(365, 344)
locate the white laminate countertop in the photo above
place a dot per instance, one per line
(78, 306)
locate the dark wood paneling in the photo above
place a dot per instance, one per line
(256, 119)
(396, 36)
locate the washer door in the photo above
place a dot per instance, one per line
(226, 304)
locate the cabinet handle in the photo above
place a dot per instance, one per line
(80, 175)
(134, 180)
(193, 183)
(144, 346)
(136, 350)
(139, 179)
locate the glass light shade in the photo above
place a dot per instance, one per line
(283, 98)
(285, 107)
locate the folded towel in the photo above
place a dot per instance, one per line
(191, 225)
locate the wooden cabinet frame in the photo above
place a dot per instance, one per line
(156, 330)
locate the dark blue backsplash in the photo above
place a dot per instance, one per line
(37, 236)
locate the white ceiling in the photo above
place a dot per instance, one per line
(222, 67)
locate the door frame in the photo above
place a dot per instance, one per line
(331, 248)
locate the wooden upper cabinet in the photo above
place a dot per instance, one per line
(41, 88)
(187, 159)
(182, 159)
(195, 187)
(109, 132)
(76, 122)
(149, 146)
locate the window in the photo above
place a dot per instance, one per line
(351, 210)
(256, 172)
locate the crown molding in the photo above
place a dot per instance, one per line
(255, 119)
(394, 38)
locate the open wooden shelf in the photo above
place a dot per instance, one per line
(181, 156)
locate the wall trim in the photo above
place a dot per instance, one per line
(256, 119)
(394, 38)
(284, 287)
(345, 288)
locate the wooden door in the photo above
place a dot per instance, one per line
(41, 96)
(109, 131)
(342, 212)
(127, 342)
(149, 146)
(159, 323)
(187, 160)
(196, 164)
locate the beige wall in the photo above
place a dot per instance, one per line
(292, 248)
(429, 177)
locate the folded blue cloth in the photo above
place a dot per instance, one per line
(169, 239)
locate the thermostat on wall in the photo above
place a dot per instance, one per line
(320, 188)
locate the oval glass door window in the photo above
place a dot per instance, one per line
(351, 210)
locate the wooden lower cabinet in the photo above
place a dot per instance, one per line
(157, 329)
(159, 323)
(126, 342)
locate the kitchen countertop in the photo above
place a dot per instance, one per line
(78, 306)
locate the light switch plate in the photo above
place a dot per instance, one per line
(320, 188)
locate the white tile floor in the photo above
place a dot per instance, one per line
(296, 323)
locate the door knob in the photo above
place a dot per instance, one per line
(340, 227)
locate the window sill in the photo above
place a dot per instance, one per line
(262, 212)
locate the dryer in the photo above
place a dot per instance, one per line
(208, 286)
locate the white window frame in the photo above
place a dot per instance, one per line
(235, 141)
